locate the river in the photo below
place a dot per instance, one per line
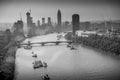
(64, 63)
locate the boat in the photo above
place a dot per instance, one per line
(27, 47)
(72, 48)
(68, 45)
(44, 64)
(35, 56)
(39, 64)
(35, 65)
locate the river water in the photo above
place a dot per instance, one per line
(65, 64)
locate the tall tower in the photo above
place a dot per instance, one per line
(29, 19)
(30, 25)
(38, 23)
(59, 18)
(49, 21)
(43, 21)
(75, 23)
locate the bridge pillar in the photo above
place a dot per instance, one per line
(57, 43)
(18, 46)
(43, 44)
(69, 42)
(29, 43)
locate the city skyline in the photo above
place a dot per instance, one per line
(89, 10)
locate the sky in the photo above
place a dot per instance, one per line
(89, 10)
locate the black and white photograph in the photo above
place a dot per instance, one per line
(59, 40)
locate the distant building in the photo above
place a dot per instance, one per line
(67, 23)
(18, 28)
(44, 25)
(29, 20)
(59, 22)
(85, 25)
(75, 23)
(49, 21)
(18, 33)
(30, 25)
(38, 23)
(43, 21)
(59, 18)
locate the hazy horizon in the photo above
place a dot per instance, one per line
(89, 10)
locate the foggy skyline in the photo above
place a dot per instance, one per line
(89, 10)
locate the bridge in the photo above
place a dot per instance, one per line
(43, 43)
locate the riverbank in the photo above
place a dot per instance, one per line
(101, 52)
(110, 45)
(8, 64)
(7, 67)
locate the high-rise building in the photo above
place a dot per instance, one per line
(38, 23)
(75, 23)
(43, 21)
(59, 18)
(18, 28)
(58, 26)
(30, 25)
(29, 19)
(49, 21)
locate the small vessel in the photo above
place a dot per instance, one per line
(72, 48)
(68, 45)
(40, 63)
(45, 64)
(18, 46)
(45, 77)
(27, 47)
(35, 56)
(35, 65)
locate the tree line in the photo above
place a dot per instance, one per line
(107, 44)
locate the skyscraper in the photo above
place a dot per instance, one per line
(43, 21)
(58, 27)
(30, 25)
(29, 19)
(38, 23)
(18, 28)
(75, 22)
(49, 21)
(59, 18)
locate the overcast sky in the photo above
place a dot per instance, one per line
(87, 9)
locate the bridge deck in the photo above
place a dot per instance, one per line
(29, 43)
